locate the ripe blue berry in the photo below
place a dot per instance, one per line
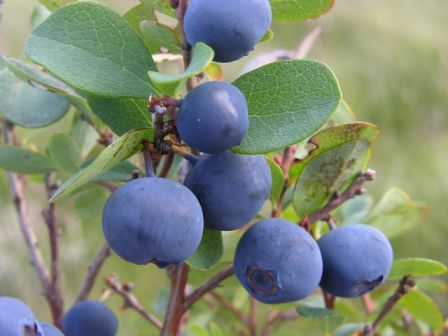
(213, 117)
(231, 27)
(153, 220)
(90, 318)
(230, 188)
(17, 319)
(50, 330)
(278, 261)
(357, 258)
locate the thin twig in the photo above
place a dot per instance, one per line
(368, 303)
(230, 307)
(353, 190)
(285, 163)
(92, 272)
(130, 301)
(253, 317)
(276, 316)
(329, 300)
(405, 285)
(208, 286)
(167, 163)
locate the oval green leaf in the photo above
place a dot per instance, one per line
(169, 84)
(299, 9)
(120, 150)
(22, 161)
(209, 251)
(416, 267)
(337, 155)
(288, 101)
(65, 152)
(94, 50)
(328, 319)
(26, 105)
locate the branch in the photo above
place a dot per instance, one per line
(49, 215)
(92, 272)
(230, 307)
(368, 303)
(405, 285)
(208, 286)
(130, 301)
(276, 316)
(352, 191)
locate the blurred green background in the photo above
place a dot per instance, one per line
(391, 58)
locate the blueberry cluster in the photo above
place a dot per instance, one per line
(87, 318)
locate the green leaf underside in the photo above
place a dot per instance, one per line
(122, 115)
(288, 101)
(396, 213)
(328, 319)
(94, 50)
(416, 267)
(278, 179)
(423, 308)
(120, 150)
(65, 152)
(22, 161)
(29, 73)
(299, 9)
(160, 39)
(337, 156)
(120, 173)
(52, 5)
(169, 83)
(209, 251)
(26, 105)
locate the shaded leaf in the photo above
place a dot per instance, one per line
(299, 9)
(65, 152)
(355, 210)
(209, 251)
(169, 83)
(121, 149)
(88, 201)
(278, 179)
(269, 35)
(288, 101)
(24, 162)
(161, 39)
(39, 15)
(328, 320)
(52, 5)
(122, 115)
(337, 156)
(26, 105)
(349, 329)
(396, 213)
(120, 173)
(94, 50)
(416, 267)
(423, 308)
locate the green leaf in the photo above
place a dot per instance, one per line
(22, 161)
(94, 50)
(30, 74)
(215, 330)
(328, 319)
(416, 267)
(396, 213)
(52, 5)
(269, 35)
(121, 149)
(214, 72)
(337, 156)
(355, 210)
(349, 329)
(65, 152)
(288, 101)
(161, 6)
(122, 115)
(121, 173)
(209, 251)
(88, 201)
(299, 9)
(26, 105)
(278, 179)
(423, 308)
(342, 115)
(39, 15)
(169, 83)
(161, 39)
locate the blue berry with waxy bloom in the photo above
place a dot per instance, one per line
(230, 188)
(17, 319)
(357, 258)
(153, 220)
(278, 261)
(213, 117)
(231, 27)
(90, 318)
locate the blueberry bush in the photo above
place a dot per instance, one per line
(250, 195)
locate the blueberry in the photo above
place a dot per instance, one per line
(230, 188)
(153, 220)
(357, 258)
(213, 117)
(50, 330)
(17, 319)
(90, 318)
(278, 261)
(231, 27)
